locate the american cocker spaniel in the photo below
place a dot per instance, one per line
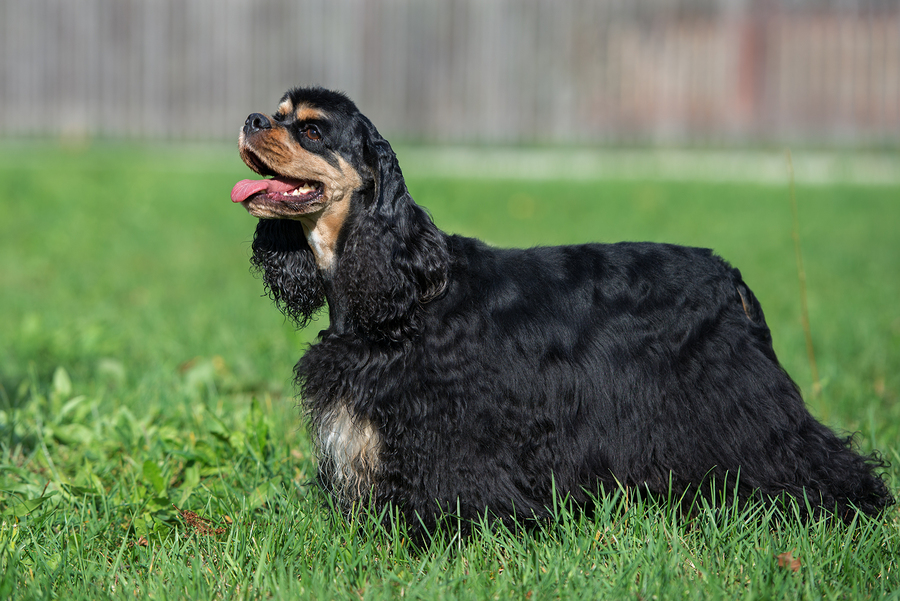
(457, 377)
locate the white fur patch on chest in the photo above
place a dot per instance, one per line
(323, 252)
(349, 453)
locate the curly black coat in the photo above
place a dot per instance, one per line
(459, 377)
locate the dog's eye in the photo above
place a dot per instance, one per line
(312, 132)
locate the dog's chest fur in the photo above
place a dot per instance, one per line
(349, 449)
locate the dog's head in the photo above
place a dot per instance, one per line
(335, 215)
(312, 149)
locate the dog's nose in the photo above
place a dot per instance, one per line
(256, 122)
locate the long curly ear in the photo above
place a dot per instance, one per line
(283, 257)
(394, 258)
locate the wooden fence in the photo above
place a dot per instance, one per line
(572, 71)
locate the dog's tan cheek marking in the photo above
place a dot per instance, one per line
(323, 236)
(323, 233)
(276, 144)
(351, 448)
(288, 158)
(286, 107)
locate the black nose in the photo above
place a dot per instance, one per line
(255, 122)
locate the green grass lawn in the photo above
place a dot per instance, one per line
(150, 445)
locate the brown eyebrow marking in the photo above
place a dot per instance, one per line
(286, 106)
(305, 113)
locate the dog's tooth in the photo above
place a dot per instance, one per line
(301, 190)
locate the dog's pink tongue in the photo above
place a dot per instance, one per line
(244, 189)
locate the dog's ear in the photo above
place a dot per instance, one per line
(394, 258)
(283, 257)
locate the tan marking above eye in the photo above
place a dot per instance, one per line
(286, 107)
(305, 113)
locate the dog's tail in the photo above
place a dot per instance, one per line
(810, 460)
(846, 478)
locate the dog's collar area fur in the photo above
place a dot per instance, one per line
(457, 377)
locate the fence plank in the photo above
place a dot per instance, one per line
(634, 71)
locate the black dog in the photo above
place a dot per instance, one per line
(468, 379)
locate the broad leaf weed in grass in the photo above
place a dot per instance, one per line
(101, 486)
(150, 446)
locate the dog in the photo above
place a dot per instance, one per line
(457, 378)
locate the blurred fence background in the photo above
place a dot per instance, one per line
(491, 71)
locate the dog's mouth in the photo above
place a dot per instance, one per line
(278, 196)
(277, 189)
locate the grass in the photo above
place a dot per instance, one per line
(150, 446)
